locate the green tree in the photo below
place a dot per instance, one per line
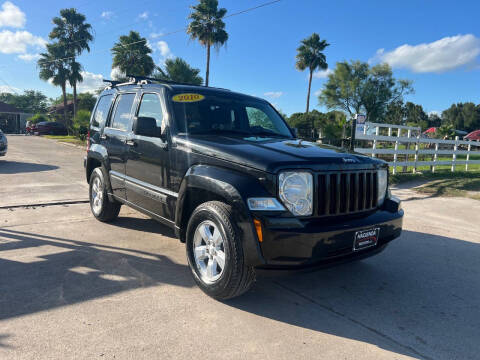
(355, 87)
(74, 34)
(132, 55)
(86, 101)
(310, 56)
(462, 116)
(53, 67)
(31, 101)
(395, 113)
(415, 116)
(178, 70)
(446, 131)
(208, 27)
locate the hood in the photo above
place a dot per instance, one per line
(269, 154)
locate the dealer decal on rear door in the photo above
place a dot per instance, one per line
(186, 98)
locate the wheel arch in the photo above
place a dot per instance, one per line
(204, 183)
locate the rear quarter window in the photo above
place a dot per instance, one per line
(101, 111)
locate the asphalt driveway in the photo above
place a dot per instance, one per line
(72, 287)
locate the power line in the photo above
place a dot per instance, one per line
(174, 31)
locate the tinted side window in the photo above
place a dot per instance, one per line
(257, 118)
(121, 118)
(151, 107)
(101, 112)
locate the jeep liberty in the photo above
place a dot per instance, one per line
(226, 172)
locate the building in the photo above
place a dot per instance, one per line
(12, 120)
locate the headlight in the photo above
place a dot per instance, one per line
(295, 190)
(382, 177)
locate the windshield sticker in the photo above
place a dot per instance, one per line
(187, 98)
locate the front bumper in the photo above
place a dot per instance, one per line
(292, 243)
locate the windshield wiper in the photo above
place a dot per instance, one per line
(269, 133)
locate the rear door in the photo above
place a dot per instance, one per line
(114, 139)
(148, 164)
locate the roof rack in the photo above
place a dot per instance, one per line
(149, 80)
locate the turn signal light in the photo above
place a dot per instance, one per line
(258, 228)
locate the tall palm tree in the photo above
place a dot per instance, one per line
(311, 57)
(132, 55)
(54, 68)
(179, 70)
(75, 34)
(208, 27)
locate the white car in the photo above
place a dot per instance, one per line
(3, 144)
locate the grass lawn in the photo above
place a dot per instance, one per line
(67, 139)
(444, 183)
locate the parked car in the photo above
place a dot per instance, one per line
(226, 172)
(50, 128)
(473, 136)
(3, 144)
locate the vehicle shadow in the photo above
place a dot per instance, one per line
(16, 167)
(419, 298)
(58, 271)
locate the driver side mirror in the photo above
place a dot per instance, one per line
(145, 126)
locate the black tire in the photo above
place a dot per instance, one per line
(109, 210)
(236, 278)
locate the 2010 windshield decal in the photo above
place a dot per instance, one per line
(189, 97)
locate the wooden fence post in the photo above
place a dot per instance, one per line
(377, 132)
(395, 156)
(417, 144)
(469, 148)
(435, 157)
(454, 157)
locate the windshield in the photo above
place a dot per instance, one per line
(197, 113)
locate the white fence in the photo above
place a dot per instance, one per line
(411, 137)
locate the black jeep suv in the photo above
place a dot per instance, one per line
(228, 174)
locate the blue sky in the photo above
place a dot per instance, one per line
(434, 43)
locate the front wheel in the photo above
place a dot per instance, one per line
(102, 208)
(215, 252)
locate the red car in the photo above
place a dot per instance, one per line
(49, 128)
(473, 136)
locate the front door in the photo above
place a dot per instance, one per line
(114, 138)
(148, 164)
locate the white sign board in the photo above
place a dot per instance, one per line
(360, 122)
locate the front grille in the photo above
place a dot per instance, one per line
(346, 192)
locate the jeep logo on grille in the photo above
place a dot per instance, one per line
(349, 160)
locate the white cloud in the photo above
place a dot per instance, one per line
(156, 35)
(143, 16)
(442, 55)
(17, 42)
(116, 74)
(273, 94)
(91, 82)
(322, 74)
(12, 16)
(29, 57)
(107, 15)
(164, 49)
(317, 93)
(8, 89)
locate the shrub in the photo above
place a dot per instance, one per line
(35, 119)
(81, 123)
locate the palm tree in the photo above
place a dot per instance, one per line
(310, 55)
(179, 70)
(54, 68)
(74, 33)
(208, 27)
(131, 55)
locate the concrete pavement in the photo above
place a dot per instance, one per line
(72, 287)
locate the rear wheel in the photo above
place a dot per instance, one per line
(215, 252)
(102, 208)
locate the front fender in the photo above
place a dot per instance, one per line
(233, 188)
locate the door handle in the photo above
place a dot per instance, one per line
(131, 143)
